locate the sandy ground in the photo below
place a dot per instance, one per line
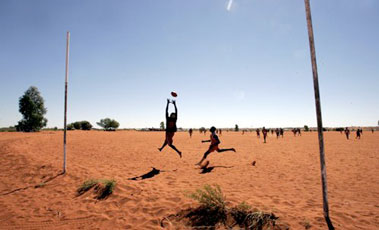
(285, 179)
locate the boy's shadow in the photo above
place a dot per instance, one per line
(209, 169)
(150, 174)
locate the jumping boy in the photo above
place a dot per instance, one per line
(214, 145)
(171, 129)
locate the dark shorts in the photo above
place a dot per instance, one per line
(169, 137)
(213, 148)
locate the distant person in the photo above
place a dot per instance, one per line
(299, 131)
(220, 132)
(358, 134)
(347, 132)
(171, 128)
(264, 132)
(190, 132)
(258, 133)
(372, 130)
(214, 145)
(243, 132)
(272, 131)
(277, 132)
(281, 132)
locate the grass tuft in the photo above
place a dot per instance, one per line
(87, 185)
(212, 208)
(105, 188)
(213, 213)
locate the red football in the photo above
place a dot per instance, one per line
(174, 94)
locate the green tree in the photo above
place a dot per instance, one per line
(31, 106)
(108, 124)
(162, 125)
(306, 128)
(85, 125)
(70, 127)
(77, 125)
(236, 128)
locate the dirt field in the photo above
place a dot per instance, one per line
(285, 180)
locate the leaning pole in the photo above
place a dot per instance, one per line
(65, 103)
(318, 113)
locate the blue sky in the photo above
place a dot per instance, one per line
(249, 65)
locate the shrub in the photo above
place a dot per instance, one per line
(212, 212)
(212, 208)
(105, 188)
(240, 212)
(83, 125)
(210, 197)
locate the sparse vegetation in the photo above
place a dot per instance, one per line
(236, 128)
(162, 125)
(212, 208)
(210, 197)
(213, 212)
(102, 188)
(87, 185)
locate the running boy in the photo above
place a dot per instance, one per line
(171, 128)
(214, 145)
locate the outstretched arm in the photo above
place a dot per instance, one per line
(205, 141)
(168, 102)
(176, 109)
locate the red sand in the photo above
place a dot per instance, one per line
(285, 179)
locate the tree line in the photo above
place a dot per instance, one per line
(32, 107)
